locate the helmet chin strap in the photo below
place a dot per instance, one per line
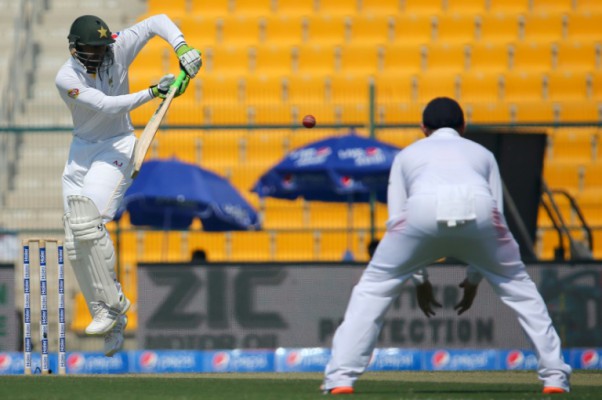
(91, 65)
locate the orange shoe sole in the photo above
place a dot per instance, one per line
(342, 390)
(553, 390)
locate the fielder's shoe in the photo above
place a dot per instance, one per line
(340, 390)
(553, 390)
(105, 317)
(114, 339)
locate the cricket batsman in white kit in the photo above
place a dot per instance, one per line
(94, 85)
(444, 200)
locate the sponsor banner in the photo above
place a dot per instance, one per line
(302, 360)
(239, 361)
(517, 360)
(9, 329)
(216, 307)
(586, 358)
(95, 363)
(157, 362)
(460, 360)
(396, 360)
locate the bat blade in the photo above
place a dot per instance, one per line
(151, 128)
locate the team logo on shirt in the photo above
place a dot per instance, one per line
(73, 93)
(118, 163)
(114, 35)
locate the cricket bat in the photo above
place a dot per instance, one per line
(151, 128)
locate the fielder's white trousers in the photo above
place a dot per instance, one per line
(416, 240)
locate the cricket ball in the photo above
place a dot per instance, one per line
(309, 121)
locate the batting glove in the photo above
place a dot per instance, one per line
(160, 90)
(190, 59)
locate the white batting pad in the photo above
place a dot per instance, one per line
(93, 251)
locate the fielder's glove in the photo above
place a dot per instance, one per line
(470, 292)
(426, 299)
(160, 90)
(190, 59)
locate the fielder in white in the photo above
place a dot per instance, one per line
(94, 84)
(444, 200)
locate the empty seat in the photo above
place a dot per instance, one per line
(336, 7)
(220, 89)
(328, 215)
(573, 145)
(251, 246)
(488, 57)
(453, 27)
(544, 112)
(480, 87)
(173, 8)
(379, 7)
(327, 29)
(402, 58)
(445, 57)
(595, 85)
(220, 149)
(252, 7)
(295, 246)
(185, 112)
(238, 30)
(294, 7)
(313, 59)
(592, 171)
(271, 59)
(522, 86)
(486, 112)
(576, 55)
(429, 7)
(564, 174)
(552, 6)
(304, 89)
(226, 60)
(282, 29)
(565, 85)
(584, 26)
(494, 27)
(263, 149)
(214, 244)
(413, 29)
(437, 84)
(588, 6)
(579, 111)
(359, 59)
(542, 27)
(263, 89)
(199, 29)
(395, 88)
(371, 29)
(227, 114)
(472, 7)
(347, 88)
(530, 56)
(399, 113)
(508, 6)
(211, 7)
(334, 245)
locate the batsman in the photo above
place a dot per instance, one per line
(94, 85)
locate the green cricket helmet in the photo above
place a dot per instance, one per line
(90, 41)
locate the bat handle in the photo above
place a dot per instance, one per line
(179, 79)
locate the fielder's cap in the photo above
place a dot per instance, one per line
(443, 112)
(90, 30)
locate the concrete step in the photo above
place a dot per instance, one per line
(28, 200)
(32, 218)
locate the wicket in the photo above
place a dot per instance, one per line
(44, 363)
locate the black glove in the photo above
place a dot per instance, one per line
(426, 300)
(470, 292)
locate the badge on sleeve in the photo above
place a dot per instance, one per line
(73, 93)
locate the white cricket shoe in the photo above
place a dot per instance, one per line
(114, 339)
(106, 317)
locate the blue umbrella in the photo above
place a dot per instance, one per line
(347, 168)
(170, 194)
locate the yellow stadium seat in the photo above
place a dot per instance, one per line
(576, 55)
(542, 27)
(472, 7)
(597, 236)
(152, 61)
(295, 246)
(538, 6)
(508, 6)
(185, 112)
(548, 241)
(184, 145)
(584, 26)
(251, 246)
(399, 113)
(588, 6)
(429, 7)
(226, 60)
(214, 244)
(371, 28)
(455, 28)
(530, 56)
(347, 88)
(379, 7)
(400, 137)
(595, 85)
(353, 114)
(283, 29)
(262, 89)
(400, 58)
(174, 8)
(252, 7)
(271, 59)
(446, 58)
(294, 7)
(566, 85)
(271, 114)
(305, 89)
(333, 246)
(572, 144)
(486, 112)
(220, 149)
(313, 59)
(324, 215)
(238, 30)
(263, 148)
(200, 30)
(488, 57)
(284, 218)
(533, 111)
(226, 114)
(336, 7)
(437, 84)
(497, 28)
(327, 29)
(413, 29)
(579, 111)
(361, 59)
(395, 87)
(211, 7)
(476, 86)
(220, 89)
(593, 171)
(522, 86)
(590, 203)
(567, 174)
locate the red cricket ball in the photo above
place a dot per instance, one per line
(309, 121)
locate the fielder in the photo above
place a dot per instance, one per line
(94, 85)
(444, 200)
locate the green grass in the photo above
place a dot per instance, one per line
(390, 385)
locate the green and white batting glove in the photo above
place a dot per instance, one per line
(160, 90)
(190, 59)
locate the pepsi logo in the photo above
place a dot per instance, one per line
(322, 151)
(515, 359)
(148, 359)
(5, 361)
(590, 359)
(346, 181)
(220, 361)
(371, 151)
(75, 362)
(440, 359)
(293, 358)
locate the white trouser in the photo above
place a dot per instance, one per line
(416, 240)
